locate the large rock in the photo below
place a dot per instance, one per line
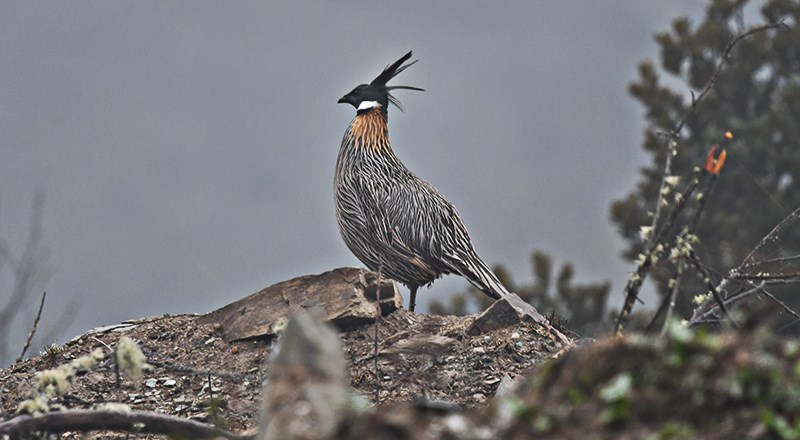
(344, 296)
(308, 391)
(511, 310)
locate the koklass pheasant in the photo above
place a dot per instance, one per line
(392, 220)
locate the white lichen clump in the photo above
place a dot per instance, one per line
(130, 360)
(672, 180)
(700, 299)
(57, 382)
(114, 407)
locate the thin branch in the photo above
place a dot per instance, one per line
(705, 310)
(33, 329)
(778, 260)
(378, 315)
(781, 303)
(768, 276)
(26, 270)
(198, 372)
(87, 420)
(635, 282)
(637, 279)
(714, 290)
(773, 234)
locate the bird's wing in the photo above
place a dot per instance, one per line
(384, 226)
(431, 228)
(427, 223)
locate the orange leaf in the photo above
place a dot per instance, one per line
(720, 162)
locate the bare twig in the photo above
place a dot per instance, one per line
(210, 387)
(704, 312)
(108, 347)
(713, 290)
(198, 372)
(692, 227)
(87, 420)
(768, 276)
(33, 329)
(778, 260)
(655, 247)
(707, 312)
(27, 272)
(636, 280)
(378, 315)
(781, 303)
(773, 234)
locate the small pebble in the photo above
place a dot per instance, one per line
(150, 383)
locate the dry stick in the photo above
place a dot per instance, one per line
(198, 372)
(672, 295)
(33, 329)
(669, 301)
(705, 317)
(781, 303)
(769, 276)
(84, 420)
(795, 215)
(635, 282)
(714, 290)
(25, 270)
(705, 313)
(378, 315)
(771, 261)
(700, 314)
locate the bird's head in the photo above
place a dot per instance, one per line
(376, 93)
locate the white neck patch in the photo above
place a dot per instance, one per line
(368, 104)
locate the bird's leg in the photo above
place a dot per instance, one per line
(378, 315)
(413, 289)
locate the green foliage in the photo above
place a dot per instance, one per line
(215, 411)
(757, 97)
(583, 305)
(617, 397)
(778, 425)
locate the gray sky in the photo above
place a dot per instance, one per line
(186, 149)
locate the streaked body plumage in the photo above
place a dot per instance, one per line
(390, 218)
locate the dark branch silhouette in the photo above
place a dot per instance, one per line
(86, 420)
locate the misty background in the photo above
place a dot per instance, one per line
(186, 149)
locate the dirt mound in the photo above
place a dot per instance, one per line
(421, 357)
(438, 379)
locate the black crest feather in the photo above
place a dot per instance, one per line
(378, 91)
(390, 72)
(393, 70)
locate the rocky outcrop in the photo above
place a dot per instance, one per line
(344, 296)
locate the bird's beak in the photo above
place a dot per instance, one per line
(342, 100)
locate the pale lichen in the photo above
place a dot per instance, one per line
(114, 407)
(35, 405)
(130, 360)
(645, 232)
(672, 180)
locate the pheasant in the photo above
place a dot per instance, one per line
(392, 220)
